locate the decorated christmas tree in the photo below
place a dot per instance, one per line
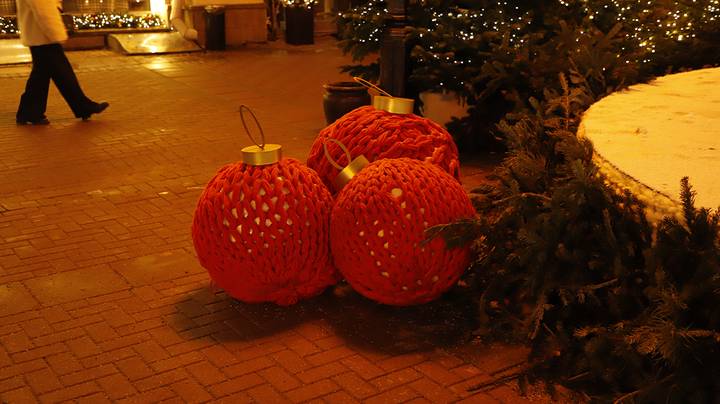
(494, 54)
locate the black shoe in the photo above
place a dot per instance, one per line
(25, 121)
(95, 109)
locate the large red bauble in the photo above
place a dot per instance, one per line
(262, 232)
(378, 134)
(377, 231)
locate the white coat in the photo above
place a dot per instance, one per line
(178, 22)
(39, 22)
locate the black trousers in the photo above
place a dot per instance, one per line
(49, 62)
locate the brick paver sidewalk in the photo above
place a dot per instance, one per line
(101, 297)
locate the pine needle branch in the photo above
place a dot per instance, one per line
(599, 285)
(622, 398)
(506, 368)
(687, 196)
(577, 377)
(523, 195)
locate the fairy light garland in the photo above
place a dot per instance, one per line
(448, 42)
(299, 3)
(8, 25)
(106, 21)
(369, 20)
(87, 22)
(640, 17)
(644, 17)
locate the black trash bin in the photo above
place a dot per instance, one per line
(214, 27)
(299, 25)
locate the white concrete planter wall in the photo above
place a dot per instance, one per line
(441, 107)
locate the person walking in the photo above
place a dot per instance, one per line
(42, 30)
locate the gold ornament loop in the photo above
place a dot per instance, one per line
(329, 157)
(247, 131)
(259, 154)
(348, 172)
(371, 85)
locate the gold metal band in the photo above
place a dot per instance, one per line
(260, 156)
(350, 171)
(395, 105)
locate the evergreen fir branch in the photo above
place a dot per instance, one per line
(542, 197)
(589, 288)
(588, 331)
(692, 335)
(508, 367)
(537, 316)
(577, 376)
(370, 72)
(456, 234)
(609, 230)
(687, 197)
(668, 303)
(623, 399)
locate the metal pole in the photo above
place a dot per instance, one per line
(393, 50)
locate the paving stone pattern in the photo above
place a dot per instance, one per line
(101, 296)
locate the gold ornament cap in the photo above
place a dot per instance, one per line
(261, 156)
(386, 102)
(347, 173)
(394, 105)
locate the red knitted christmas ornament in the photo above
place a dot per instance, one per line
(377, 229)
(262, 232)
(378, 134)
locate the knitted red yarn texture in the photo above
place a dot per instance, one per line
(378, 134)
(262, 232)
(377, 229)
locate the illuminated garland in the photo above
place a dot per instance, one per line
(109, 21)
(86, 22)
(298, 3)
(8, 25)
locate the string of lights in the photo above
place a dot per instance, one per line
(87, 22)
(107, 21)
(640, 18)
(298, 3)
(448, 42)
(8, 25)
(650, 21)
